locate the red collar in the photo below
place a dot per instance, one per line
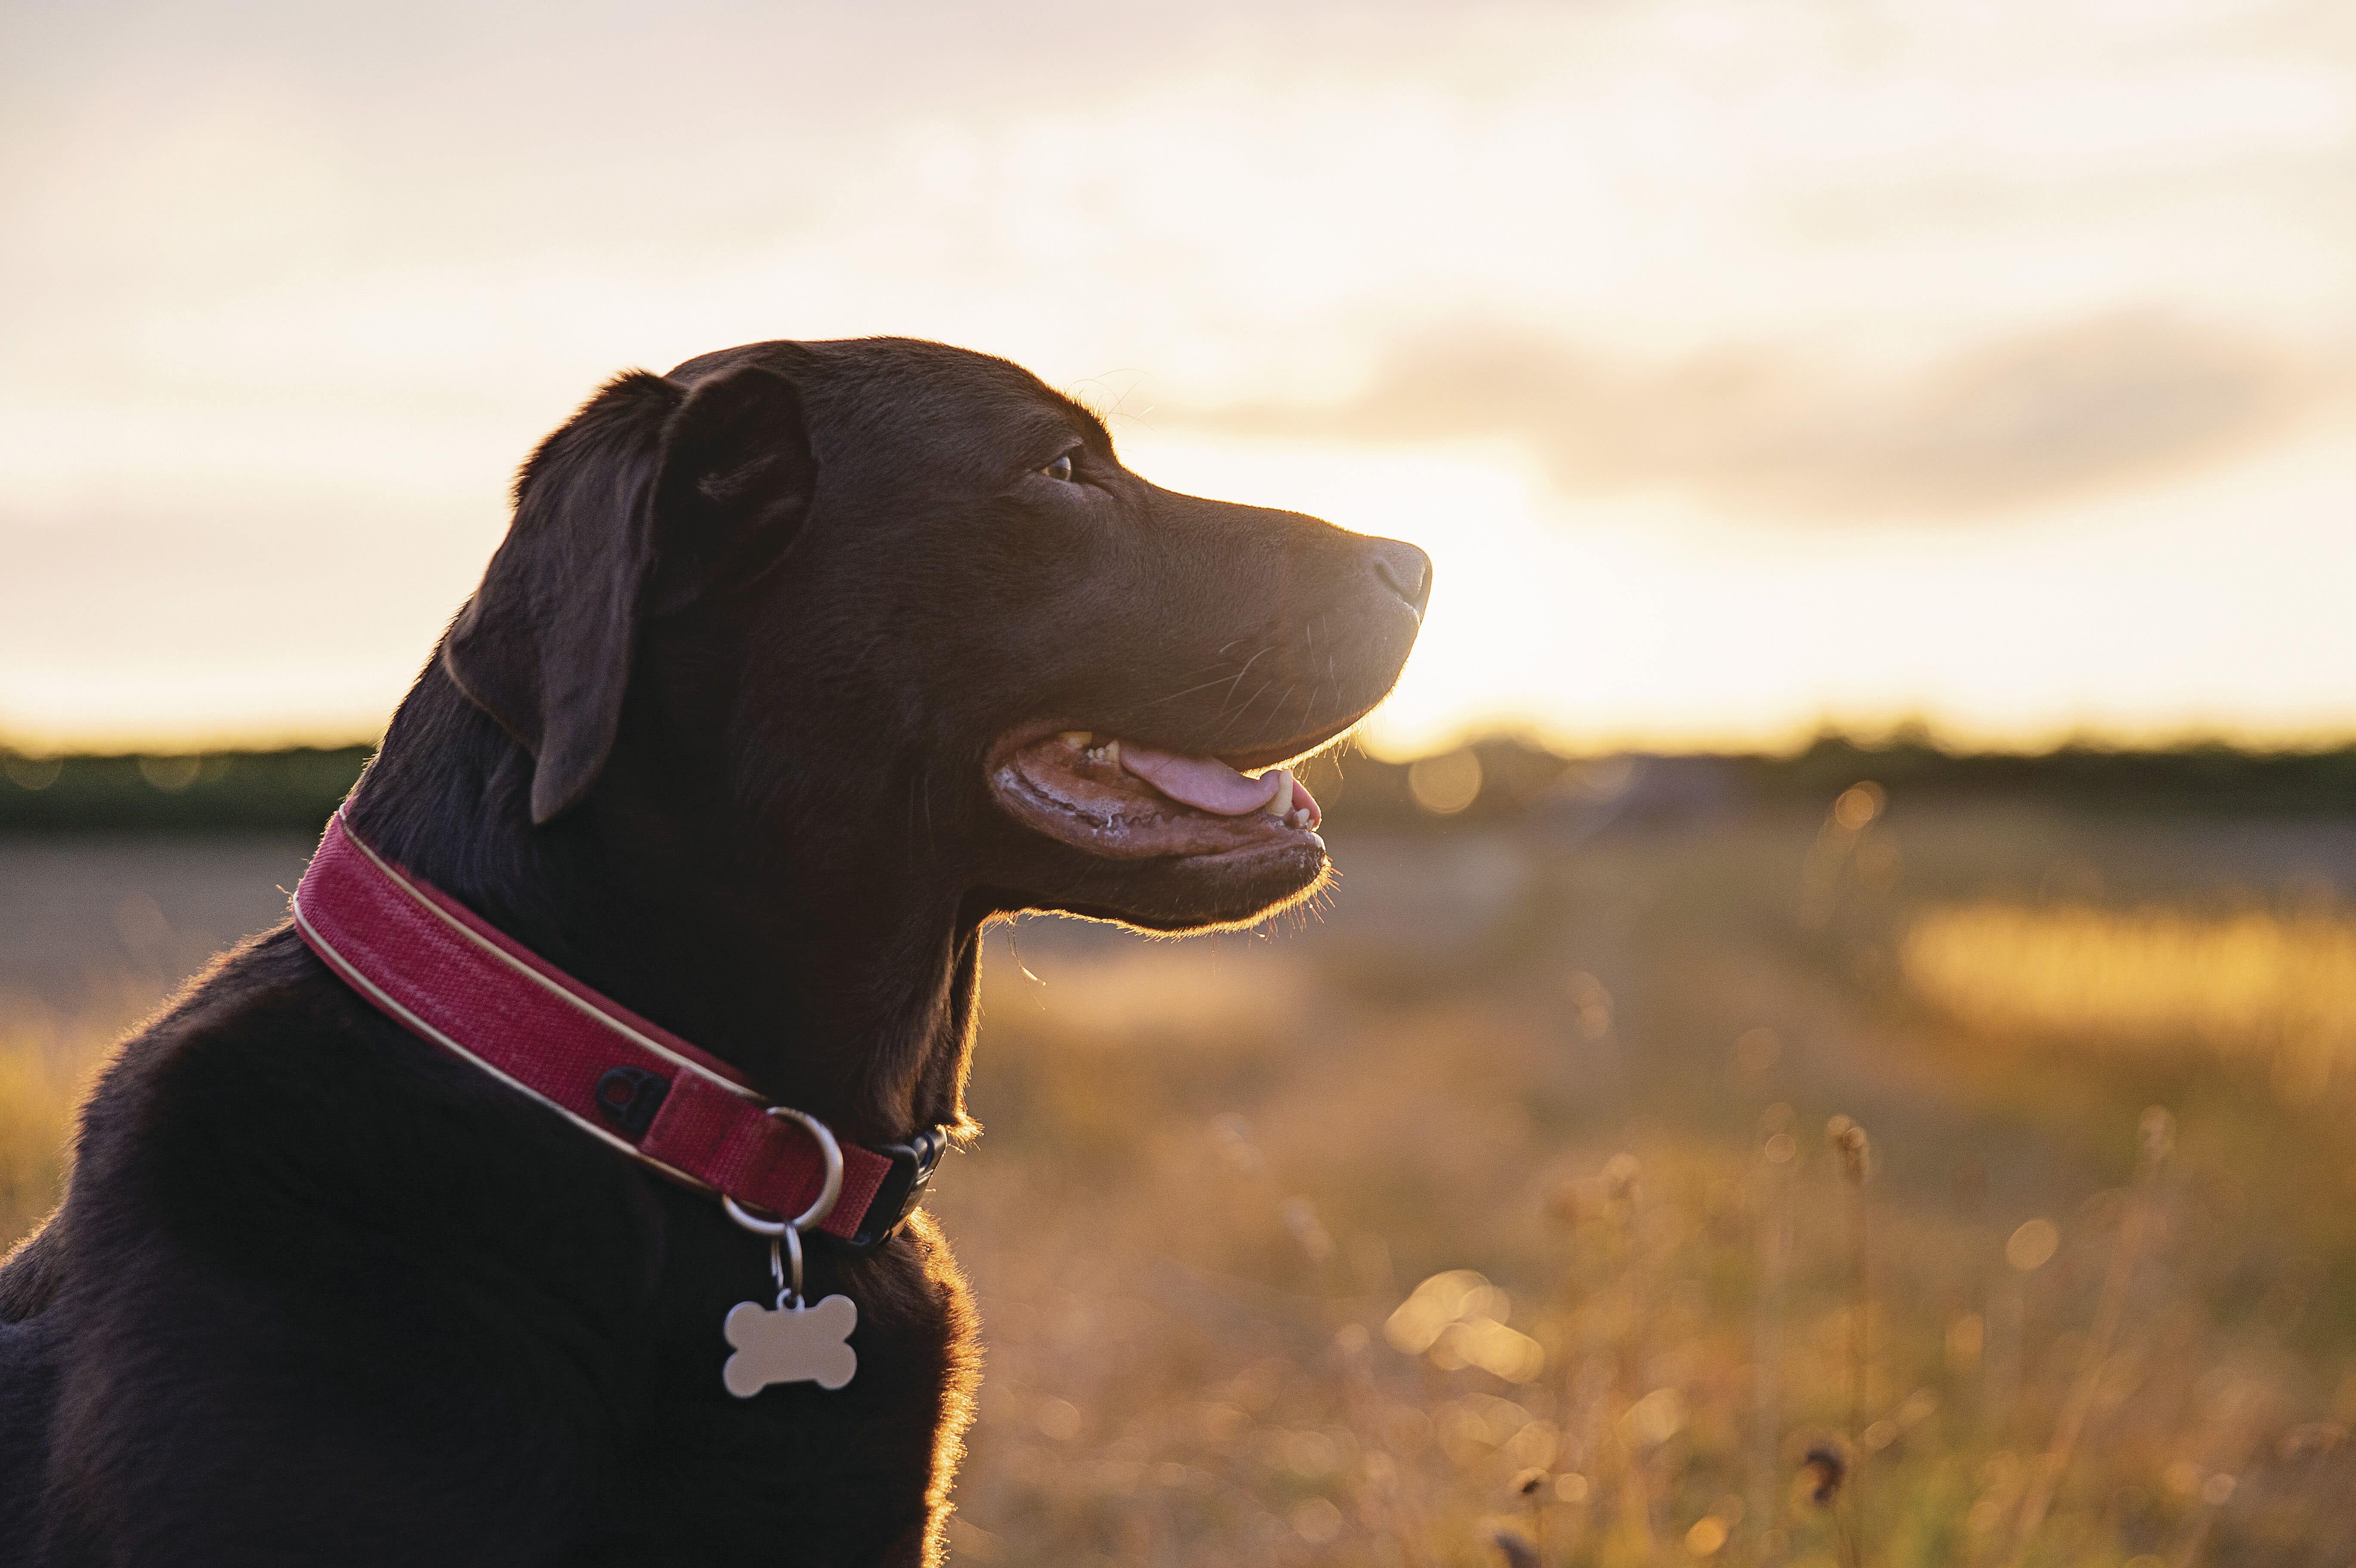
(445, 973)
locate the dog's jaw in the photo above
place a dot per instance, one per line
(1072, 787)
(1160, 861)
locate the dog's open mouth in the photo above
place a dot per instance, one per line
(1126, 801)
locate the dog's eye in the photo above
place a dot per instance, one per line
(1060, 469)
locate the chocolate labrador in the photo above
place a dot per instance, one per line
(797, 665)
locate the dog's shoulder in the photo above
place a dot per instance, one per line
(29, 1276)
(249, 1054)
(290, 1226)
(270, 1106)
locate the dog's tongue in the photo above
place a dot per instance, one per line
(1207, 783)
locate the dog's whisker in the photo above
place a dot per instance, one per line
(1236, 716)
(1247, 669)
(1189, 691)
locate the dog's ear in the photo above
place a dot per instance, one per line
(737, 478)
(546, 644)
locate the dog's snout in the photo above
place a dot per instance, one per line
(1404, 571)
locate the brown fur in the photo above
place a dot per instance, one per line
(713, 737)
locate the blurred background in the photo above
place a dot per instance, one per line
(1829, 1041)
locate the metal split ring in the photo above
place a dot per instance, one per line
(826, 1194)
(789, 1291)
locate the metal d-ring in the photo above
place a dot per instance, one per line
(826, 1194)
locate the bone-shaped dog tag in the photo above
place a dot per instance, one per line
(790, 1345)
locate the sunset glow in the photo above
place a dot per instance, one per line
(1743, 366)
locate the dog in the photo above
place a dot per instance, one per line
(797, 666)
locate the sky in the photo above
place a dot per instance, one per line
(1745, 366)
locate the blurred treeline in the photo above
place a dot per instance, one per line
(1498, 779)
(295, 788)
(1504, 778)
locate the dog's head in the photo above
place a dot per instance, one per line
(894, 605)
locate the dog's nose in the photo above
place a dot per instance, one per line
(1405, 571)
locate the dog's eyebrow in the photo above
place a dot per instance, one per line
(1048, 427)
(1093, 429)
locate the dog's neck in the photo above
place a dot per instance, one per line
(848, 999)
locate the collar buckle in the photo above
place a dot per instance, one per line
(903, 1187)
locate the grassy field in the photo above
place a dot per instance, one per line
(1879, 1180)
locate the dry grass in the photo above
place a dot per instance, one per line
(38, 1089)
(2256, 982)
(1506, 1205)
(47, 1060)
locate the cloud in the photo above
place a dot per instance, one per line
(1787, 431)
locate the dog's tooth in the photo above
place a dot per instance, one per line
(1079, 737)
(1280, 804)
(1112, 752)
